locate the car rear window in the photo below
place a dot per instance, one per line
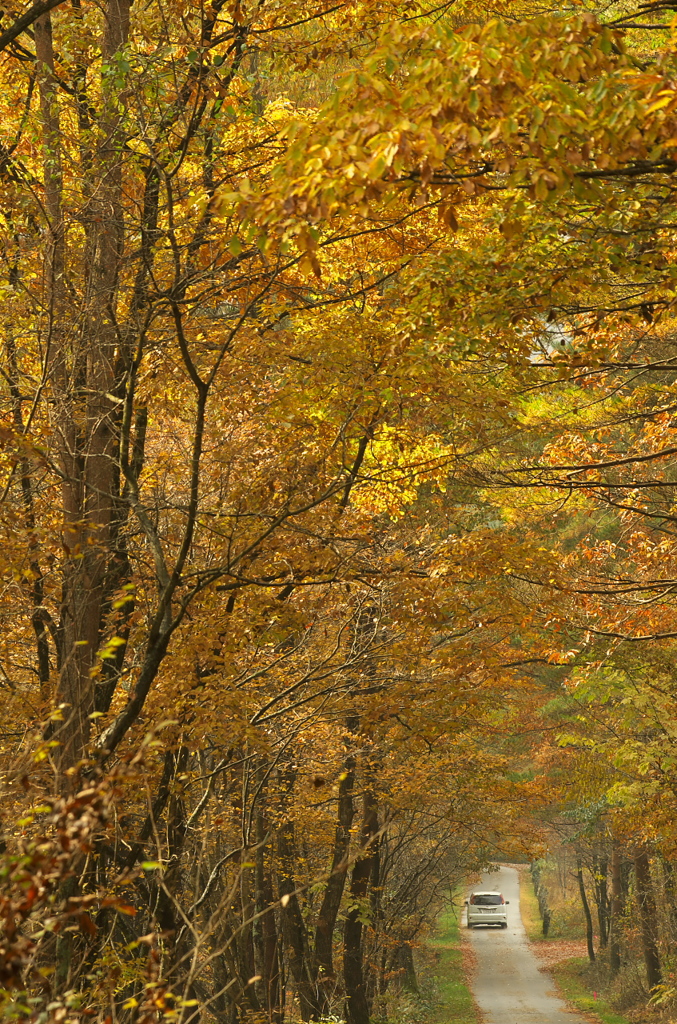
(486, 901)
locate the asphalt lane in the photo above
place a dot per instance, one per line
(507, 984)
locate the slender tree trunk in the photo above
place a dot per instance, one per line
(266, 927)
(331, 899)
(589, 933)
(600, 869)
(617, 902)
(52, 171)
(40, 616)
(357, 1004)
(403, 961)
(647, 914)
(163, 900)
(371, 935)
(670, 896)
(294, 928)
(66, 374)
(245, 938)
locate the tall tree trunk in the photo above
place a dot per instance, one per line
(294, 928)
(600, 867)
(84, 380)
(589, 933)
(670, 896)
(73, 732)
(331, 899)
(403, 962)
(647, 914)
(373, 980)
(54, 267)
(357, 1003)
(245, 936)
(617, 902)
(40, 616)
(53, 178)
(163, 900)
(266, 928)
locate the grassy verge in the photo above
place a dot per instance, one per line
(454, 1004)
(531, 917)
(573, 981)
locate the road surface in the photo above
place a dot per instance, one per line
(507, 984)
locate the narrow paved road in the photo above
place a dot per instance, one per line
(507, 984)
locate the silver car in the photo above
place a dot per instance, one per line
(487, 908)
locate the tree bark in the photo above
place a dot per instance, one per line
(403, 961)
(85, 382)
(266, 928)
(40, 616)
(294, 928)
(589, 933)
(331, 900)
(357, 1003)
(245, 936)
(671, 896)
(647, 914)
(617, 902)
(600, 868)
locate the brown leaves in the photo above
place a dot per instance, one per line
(35, 882)
(447, 215)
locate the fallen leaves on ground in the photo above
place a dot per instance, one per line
(557, 950)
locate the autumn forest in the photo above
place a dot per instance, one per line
(338, 463)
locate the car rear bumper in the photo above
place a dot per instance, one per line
(491, 918)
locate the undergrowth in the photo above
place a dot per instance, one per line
(576, 982)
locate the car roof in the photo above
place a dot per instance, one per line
(486, 892)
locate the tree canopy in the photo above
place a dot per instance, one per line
(338, 464)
